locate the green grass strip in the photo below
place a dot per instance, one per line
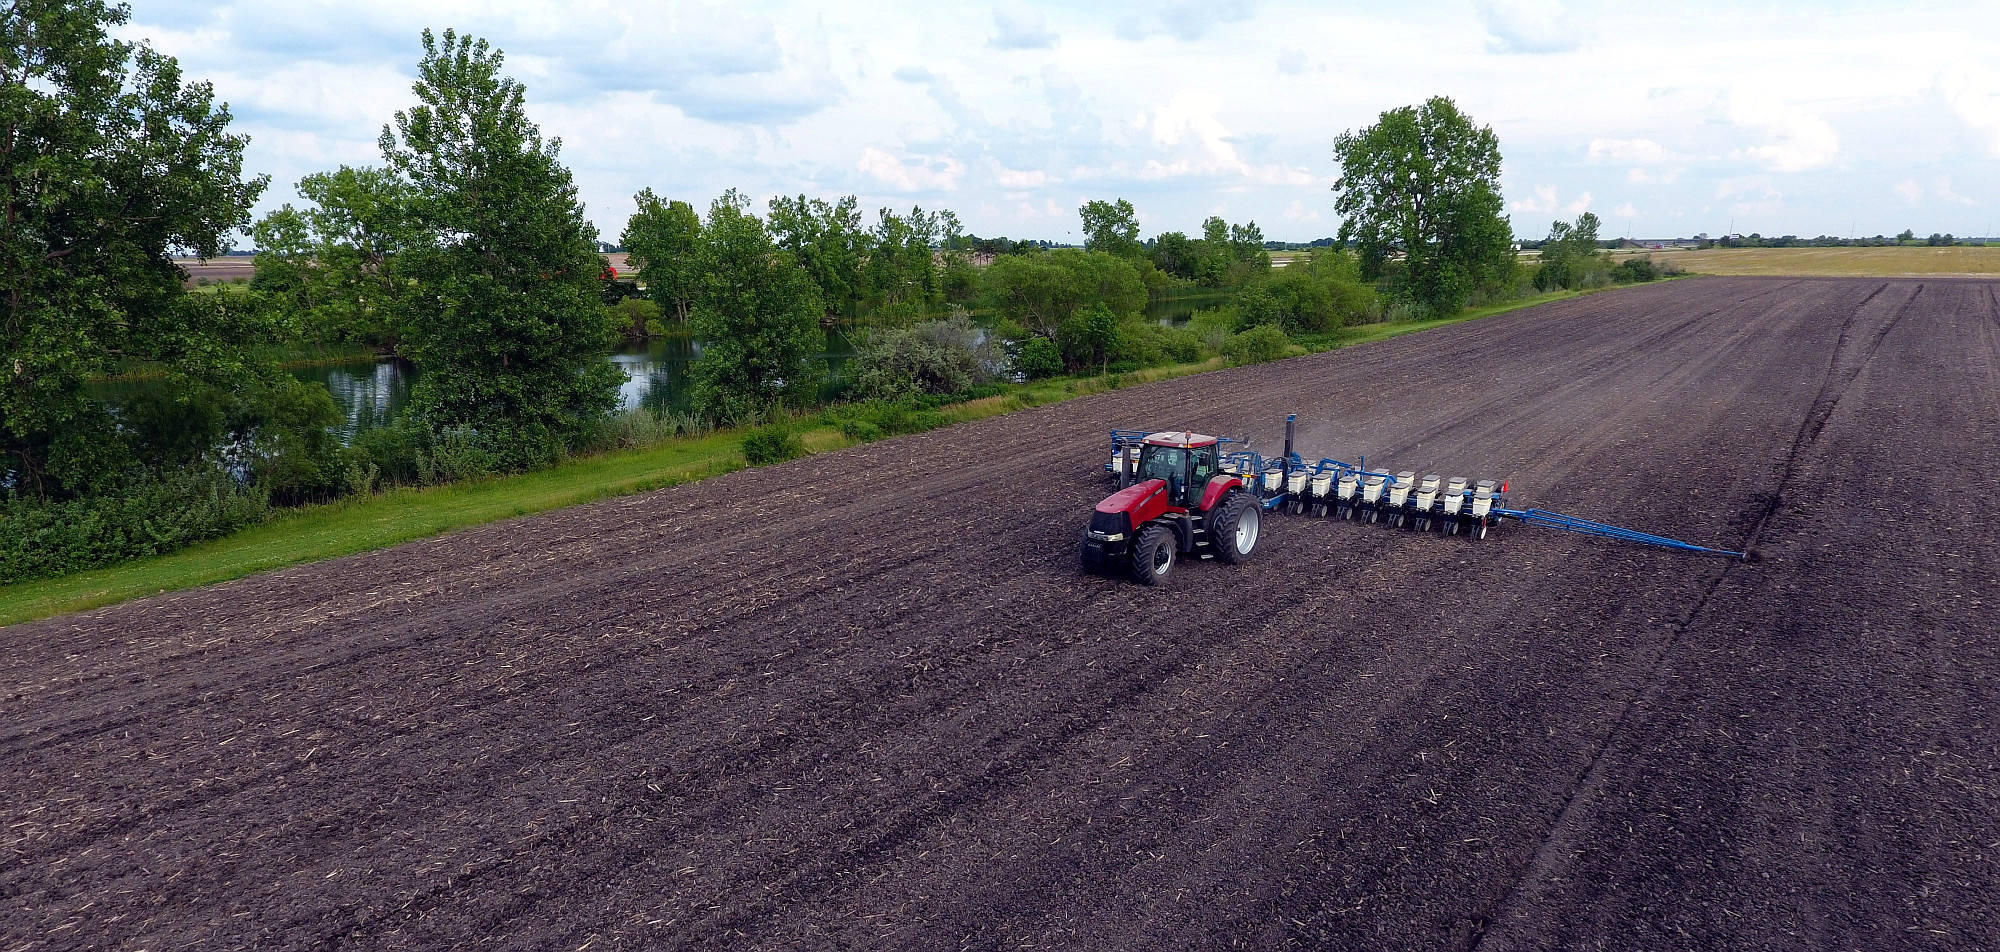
(361, 524)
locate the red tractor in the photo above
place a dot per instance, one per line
(1182, 503)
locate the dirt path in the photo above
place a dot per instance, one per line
(866, 701)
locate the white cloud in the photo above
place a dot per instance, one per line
(1651, 163)
(1974, 94)
(911, 175)
(1797, 140)
(1528, 26)
(1020, 29)
(1297, 211)
(1011, 179)
(1750, 195)
(1193, 139)
(1630, 151)
(1625, 211)
(1184, 19)
(1942, 189)
(1542, 200)
(1908, 190)
(1704, 103)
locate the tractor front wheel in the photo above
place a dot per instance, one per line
(1233, 533)
(1153, 555)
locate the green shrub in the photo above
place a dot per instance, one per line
(1039, 358)
(1144, 344)
(636, 318)
(859, 429)
(1213, 325)
(1255, 346)
(873, 420)
(285, 428)
(151, 516)
(774, 443)
(454, 454)
(1089, 337)
(935, 358)
(1635, 270)
(392, 450)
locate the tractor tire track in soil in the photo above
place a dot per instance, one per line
(866, 700)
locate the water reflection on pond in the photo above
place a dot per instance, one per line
(372, 392)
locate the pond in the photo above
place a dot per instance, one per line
(372, 392)
(1174, 312)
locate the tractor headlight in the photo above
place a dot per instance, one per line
(1107, 536)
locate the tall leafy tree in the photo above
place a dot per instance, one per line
(1175, 254)
(1042, 292)
(1111, 227)
(757, 315)
(902, 268)
(508, 326)
(1570, 257)
(827, 240)
(110, 165)
(665, 238)
(334, 260)
(1213, 267)
(1424, 182)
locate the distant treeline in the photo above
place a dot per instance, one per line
(467, 252)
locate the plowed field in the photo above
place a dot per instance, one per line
(866, 701)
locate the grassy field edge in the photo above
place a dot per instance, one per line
(406, 514)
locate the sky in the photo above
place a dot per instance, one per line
(1664, 119)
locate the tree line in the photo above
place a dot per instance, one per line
(467, 252)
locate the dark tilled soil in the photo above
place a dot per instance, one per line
(866, 701)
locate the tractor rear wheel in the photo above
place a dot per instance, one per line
(1234, 530)
(1153, 555)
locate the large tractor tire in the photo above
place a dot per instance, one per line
(1153, 555)
(1234, 532)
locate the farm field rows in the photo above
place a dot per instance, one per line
(1904, 261)
(865, 699)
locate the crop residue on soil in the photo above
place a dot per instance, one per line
(865, 700)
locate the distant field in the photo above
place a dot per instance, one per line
(1835, 262)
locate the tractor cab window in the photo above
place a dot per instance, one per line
(1164, 462)
(1205, 466)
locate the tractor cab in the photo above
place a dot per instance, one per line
(1185, 461)
(1180, 503)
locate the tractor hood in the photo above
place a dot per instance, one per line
(1130, 498)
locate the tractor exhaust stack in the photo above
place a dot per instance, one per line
(1290, 423)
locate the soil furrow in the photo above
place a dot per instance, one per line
(866, 700)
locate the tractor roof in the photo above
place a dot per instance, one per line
(1180, 438)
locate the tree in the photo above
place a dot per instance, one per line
(333, 262)
(757, 316)
(827, 240)
(1569, 257)
(1213, 268)
(665, 238)
(507, 324)
(1041, 292)
(936, 358)
(1175, 254)
(1111, 227)
(111, 166)
(1423, 183)
(1089, 336)
(902, 271)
